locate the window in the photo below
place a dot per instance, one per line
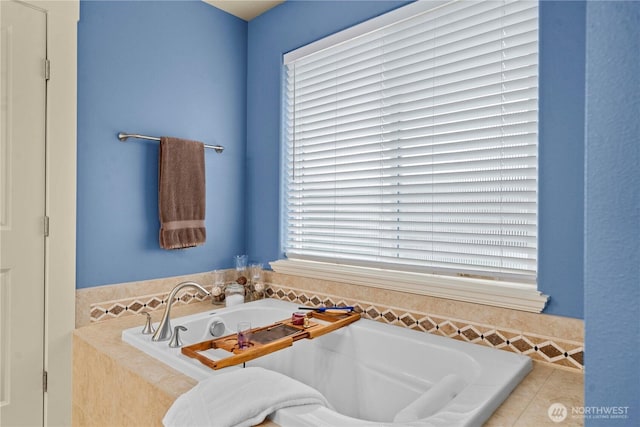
(411, 148)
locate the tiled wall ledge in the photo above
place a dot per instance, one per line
(112, 301)
(551, 339)
(555, 340)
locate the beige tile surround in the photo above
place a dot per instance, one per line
(550, 339)
(555, 340)
(100, 299)
(114, 384)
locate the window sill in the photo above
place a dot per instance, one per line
(510, 295)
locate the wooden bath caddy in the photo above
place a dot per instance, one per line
(268, 339)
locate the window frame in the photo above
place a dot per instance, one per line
(468, 288)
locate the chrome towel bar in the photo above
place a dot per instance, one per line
(123, 137)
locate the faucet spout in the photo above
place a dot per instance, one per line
(163, 333)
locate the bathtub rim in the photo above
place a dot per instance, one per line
(488, 378)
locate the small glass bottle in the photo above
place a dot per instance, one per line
(217, 290)
(234, 294)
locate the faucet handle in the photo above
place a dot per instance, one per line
(148, 327)
(175, 341)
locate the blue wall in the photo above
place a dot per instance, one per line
(562, 41)
(156, 68)
(612, 232)
(187, 69)
(561, 152)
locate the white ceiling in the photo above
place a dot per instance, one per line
(245, 9)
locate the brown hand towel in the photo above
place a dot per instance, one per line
(181, 193)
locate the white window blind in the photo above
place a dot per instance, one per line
(413, 146)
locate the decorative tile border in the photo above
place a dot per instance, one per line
(105, 302)
(136, 305)
(557, 352)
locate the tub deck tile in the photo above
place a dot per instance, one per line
(562, 387)
(526, 406)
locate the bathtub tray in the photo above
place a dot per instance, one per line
(267, 339)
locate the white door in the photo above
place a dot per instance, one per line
(22, 210)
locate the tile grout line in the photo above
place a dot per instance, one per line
(535, 396)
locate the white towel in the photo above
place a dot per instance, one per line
(242, 397)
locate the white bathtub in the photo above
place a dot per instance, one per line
(370, 372)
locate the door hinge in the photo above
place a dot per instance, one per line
(47, 69)
(46, 226)
(44, 381)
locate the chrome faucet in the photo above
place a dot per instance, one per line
(163, 332)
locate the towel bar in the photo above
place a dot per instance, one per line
(123, 137)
